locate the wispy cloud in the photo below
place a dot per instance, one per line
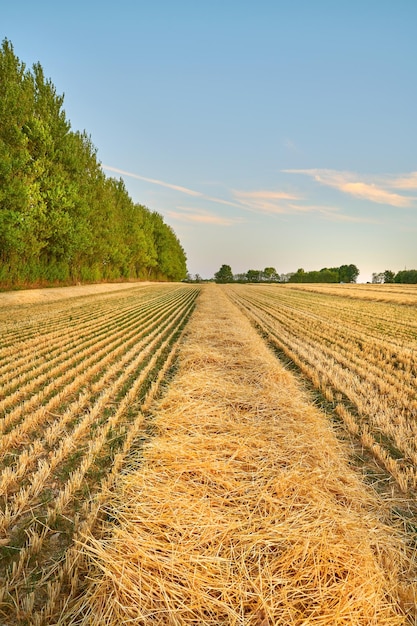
(375, 194)
(375, 190)
(283, 203)
(179, 188)
(154, 181)
(264, 201)
(221, 201)
(276, 202)
(406, 181)
(333, 214)
(200, 216)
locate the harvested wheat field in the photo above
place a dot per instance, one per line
(77, 373)
(359, 354)
(242, 508)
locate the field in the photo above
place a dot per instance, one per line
(163, 464)
(77, 376)
(357, 344)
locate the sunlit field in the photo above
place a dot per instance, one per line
(357, 344)
(172, 455)
(76, 377)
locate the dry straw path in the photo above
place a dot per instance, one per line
(243, 509)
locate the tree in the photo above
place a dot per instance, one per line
(348, 273)
(406, 277)
(224, 275)
(344, 274)
(61, 219)
(389, 276)
(299, 276)
(16, 179)
(171, 256)
(253, 276)
(270, 274)
(377, 278)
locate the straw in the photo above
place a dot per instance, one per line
(243, 509)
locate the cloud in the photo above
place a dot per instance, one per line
(406, 181)
(375, 194)
(283, 203)
(273, 202)
(200, 216)
(154, 181)
(332, 213)
(337, 216)
(179, 188)
(264, 201)
(220, 201)
(364, 187)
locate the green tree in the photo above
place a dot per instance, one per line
(406, 277)
(270, 274)
(61, 219)
(348, 273)
(328, 275)
(253, 276)
(224, 275)
(298, 277)
(170, 254)
(140, 237)
(16, 180)
(389, 276)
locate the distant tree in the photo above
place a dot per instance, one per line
(377, 278)
(298, 276)
(270, 274)
(344, 274)
(406, 277)
(389, 276)
(253, 276)
(328, 275)
(348, 273)
(224, 275)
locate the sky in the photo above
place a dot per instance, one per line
(267, 133)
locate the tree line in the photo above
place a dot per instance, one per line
(342, 274)
(61, 219)
(403, 277)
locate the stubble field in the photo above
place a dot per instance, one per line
(76, 377)
(357, 344)
(217, 493)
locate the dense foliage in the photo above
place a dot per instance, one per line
(342, 274)
(402, 277)
(224, 275)
(61, 219)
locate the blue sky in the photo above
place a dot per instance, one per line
(267, 133)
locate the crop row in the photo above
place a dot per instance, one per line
(361, 355)
(76, 382)
(397, 293)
